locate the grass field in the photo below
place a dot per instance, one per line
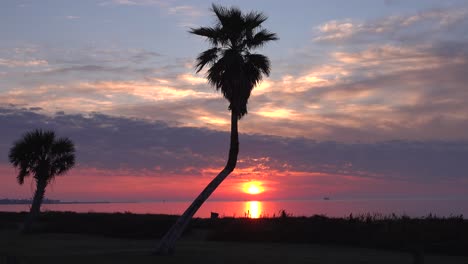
(73, 248)
(66, 237)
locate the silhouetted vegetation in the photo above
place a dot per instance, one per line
(432, 234)
(122, 225)
(234, 70)
(42, 155)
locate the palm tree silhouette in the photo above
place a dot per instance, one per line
(234, 71)
(39, 153)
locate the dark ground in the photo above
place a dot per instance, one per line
(119, 238)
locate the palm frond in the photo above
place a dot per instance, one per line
(254, 20)
(214, 35)
(258, 61)
(21, 175)
(62, 156)
(215, 74)
(232, 23)
(40, 154)
(226, 16)
(261, 38)
(207, 57)
(62, 164)
(234, 71)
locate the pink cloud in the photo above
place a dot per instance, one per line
(91, 184)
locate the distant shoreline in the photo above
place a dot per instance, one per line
(47, 201)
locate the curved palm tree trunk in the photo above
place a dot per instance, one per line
(36, 205)
(167, 243)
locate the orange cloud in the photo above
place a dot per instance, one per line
(145, 90)
(193, 80)
(276, 113)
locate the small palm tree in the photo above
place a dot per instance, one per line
(234, 71)
(39, 153)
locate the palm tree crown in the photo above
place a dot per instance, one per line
(41, 154)
(234, 70)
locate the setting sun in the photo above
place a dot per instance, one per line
(253, 187)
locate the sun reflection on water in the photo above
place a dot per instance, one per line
(253, 209)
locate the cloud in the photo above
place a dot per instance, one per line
(110, 96)
(179, 10)
(26, 50)
(381, 90)
(148, 90)
(161, 150)
(121, 155)
(277, 113)
(376, 93)
(12, 63)
(102, 56)
(85, 69)
(393, 2)
(185, 10)
(186, 14)
(143, 55)
(194, 80)
(386, 88)
(133, 2)
(72, 17)
(433, 20)
(336, 30)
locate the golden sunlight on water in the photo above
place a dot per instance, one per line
(253, 209)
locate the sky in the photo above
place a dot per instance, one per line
(366, 99)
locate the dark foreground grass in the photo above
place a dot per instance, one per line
(436, 235)
(429, 235)
(72, 248)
